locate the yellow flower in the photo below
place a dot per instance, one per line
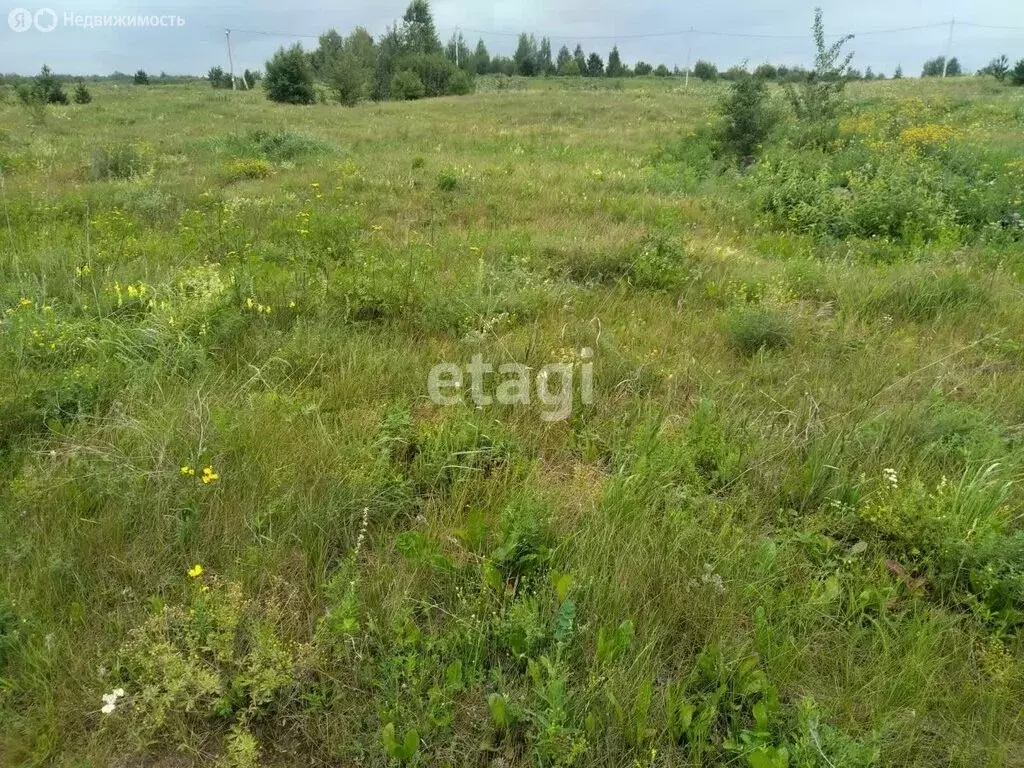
(25, 303)
(195, 571)
(187, 470)
(210, 476)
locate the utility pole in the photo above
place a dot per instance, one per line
(949, 46)
(689, 55)
(231, 61)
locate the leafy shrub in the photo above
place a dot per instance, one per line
(82, 95)
(447, 181)
(407, 85)
(752, 329)
(704, 70)
(662, 71)
(218, 659)
(248, 168)
(141, 78)
(276, 146)
(123, 161)
(289, 77)
(1017, 75)
(938, 67)
(218, 78)
(642, 69)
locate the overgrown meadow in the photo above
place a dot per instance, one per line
(235, 531)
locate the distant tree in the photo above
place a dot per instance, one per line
(526, 55)
(766, 71)
(82, 95)
(570, 69)
(1017, 74)
(705, 70)
(390, 48)
(580, 58)
(218, 78)
(289, 78)
(662, 71)
(564, 57)
(898, 74)
(418, 31)
(545, 64)
(458, 52)
(818, 99)
(251, 79)
(331, 46)
(595, 66)
(481, 58)
(642, 69)
(141, 78)
(503, 65)
(347, 78)
(735, 73)
(615, 68)
(938, 67)
(869, 74)
(43, 89)
(852, 73)
(999, 68)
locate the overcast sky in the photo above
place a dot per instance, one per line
(597, 24)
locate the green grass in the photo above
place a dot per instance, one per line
(785, 532)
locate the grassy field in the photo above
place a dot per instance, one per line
(236, 530)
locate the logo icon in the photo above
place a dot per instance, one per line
(20, 20)
(46, 20)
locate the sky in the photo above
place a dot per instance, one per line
(726, 32)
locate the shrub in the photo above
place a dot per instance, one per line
(248, 168)
(748, 118)
(938, 67)
(289, 78)
(704, 70)
(119, 162)
(43, 89)
(82, 95)
(1017, 75)
(141, 78)
(276, 146)
(407, 85)
(752, 329)
(447, 181)
(643, 69)
(662, 71)
(218, 78)
(999, 67)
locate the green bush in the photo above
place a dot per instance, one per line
(82, 95)
(289, 77)
(752, 329)
(1017, 74)
(407, 85)
(703, 70)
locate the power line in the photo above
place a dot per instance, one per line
(674, 33)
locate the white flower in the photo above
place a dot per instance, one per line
(891, 477)
(110, 700)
